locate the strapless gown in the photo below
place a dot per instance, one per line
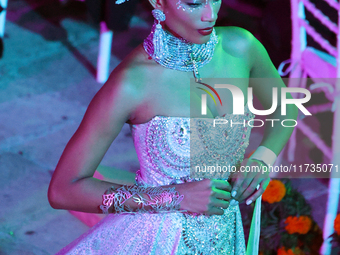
(167, 149)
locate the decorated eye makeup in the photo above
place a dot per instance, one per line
(193, 5)
(188, 5)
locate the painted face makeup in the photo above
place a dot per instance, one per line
(194, 5)
(192, 20)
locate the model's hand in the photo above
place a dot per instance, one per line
(205, 197)
(245, 182)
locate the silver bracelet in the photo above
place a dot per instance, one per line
(265, 155)
(158, 199)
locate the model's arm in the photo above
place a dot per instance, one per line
(73, 186)
(115, 175)
(263, 78)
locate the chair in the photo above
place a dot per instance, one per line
(322, 65)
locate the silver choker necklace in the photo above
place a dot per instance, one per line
(178, 53)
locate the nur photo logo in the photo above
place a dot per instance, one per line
(238, 103)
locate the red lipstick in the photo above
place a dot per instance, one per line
(205, 31)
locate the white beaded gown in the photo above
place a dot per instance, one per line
(163, 148)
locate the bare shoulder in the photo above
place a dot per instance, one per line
(125, 88)
(236, 40)
(240, 42)
(128, 73)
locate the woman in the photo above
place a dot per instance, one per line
(151, 91)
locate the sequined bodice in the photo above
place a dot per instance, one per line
(178, 149)
(168, 148)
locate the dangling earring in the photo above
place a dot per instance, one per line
(159, 44)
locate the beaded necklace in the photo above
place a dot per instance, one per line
(180, 54)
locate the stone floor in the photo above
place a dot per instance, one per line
(46, 82)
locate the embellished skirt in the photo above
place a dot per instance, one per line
(163, 233)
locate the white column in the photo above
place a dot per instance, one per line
(104, 54)
(3, 4)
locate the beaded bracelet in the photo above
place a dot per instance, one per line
(158, 198)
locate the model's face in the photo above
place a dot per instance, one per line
(192, 20)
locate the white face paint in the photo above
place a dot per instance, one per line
(192, 20)
(195, 5)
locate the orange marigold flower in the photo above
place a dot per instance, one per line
(275, 191)
(294, 251)
(300, 225)
(282, 251)
(337, 224)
